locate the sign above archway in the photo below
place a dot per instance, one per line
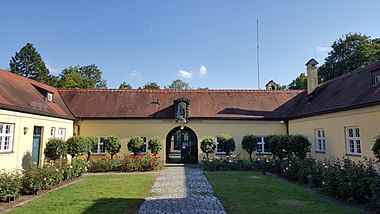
(181, 110)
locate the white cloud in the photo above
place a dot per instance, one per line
(135, 73)
(52, 70)
(185, 74)
(202, 70)
(322, 49)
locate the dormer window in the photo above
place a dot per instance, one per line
(49, 97)
(375, 77)
(181, 107)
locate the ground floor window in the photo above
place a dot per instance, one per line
(353, 140)
(52, 132)
(100, 148)
(61, 133)
(6, 137)
(262, 146)
(218, 149)
(320, 141)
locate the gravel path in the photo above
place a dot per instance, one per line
(182, 189)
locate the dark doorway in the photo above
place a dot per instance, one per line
(181, 146)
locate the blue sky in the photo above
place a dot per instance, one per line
(207, 43)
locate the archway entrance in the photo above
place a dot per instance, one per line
(181, 146)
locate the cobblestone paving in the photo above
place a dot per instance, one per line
(182, 189)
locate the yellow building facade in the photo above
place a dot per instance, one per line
(336, 128)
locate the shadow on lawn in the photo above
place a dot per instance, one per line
(115, 205)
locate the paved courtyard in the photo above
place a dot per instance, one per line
(182, 189)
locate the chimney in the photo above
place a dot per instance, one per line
(312, 75)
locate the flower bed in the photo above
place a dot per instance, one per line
(348, 180)
(32, 180)
(126, 163)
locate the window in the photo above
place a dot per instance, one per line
(377, 79)
(145, 147)
(100, 149)
(52, 132)
(262, 146)
(353, 140)
(6, 137)
(218, 150)
(61, 133)
(320, 141)
(49, 97)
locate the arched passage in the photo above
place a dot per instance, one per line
(181, 146)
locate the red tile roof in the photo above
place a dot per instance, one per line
(18, 93)
(212, 104)
(351, 90)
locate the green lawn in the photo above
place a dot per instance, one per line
(117, 193)
(252, 192)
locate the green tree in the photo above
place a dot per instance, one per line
(300, 83)
(227, 144)
(178, 85)
(135, 144)
(55, 148)
(28, 63)
(88, 76)
(112, 145)
(349, 53)
(208, 145)
(151, 85)
(125, 85)
(91, 144)
(76, 145)
(249, 144)
(155, 145)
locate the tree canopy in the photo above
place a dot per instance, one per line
(151, 85)
(300, 83)
(348, 53)
(28, 63)
(178, 85)
(88, 76)
(125, 85)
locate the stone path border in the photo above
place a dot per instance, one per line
(182, 189)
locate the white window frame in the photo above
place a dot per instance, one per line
(146, 142)
(49, 97)
(320, 140)
(61, 133)
(261, 144)
(6, 137)
(100, 146)
(353, 141)
(216, 148)
(52, 132)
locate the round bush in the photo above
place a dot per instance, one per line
(208, 145)
(155, 145)
(55, 148)
(136, 144)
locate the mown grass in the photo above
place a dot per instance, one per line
(110, 193)
(252, 192)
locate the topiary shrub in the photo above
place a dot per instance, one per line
(112, 145)
(376, 147)
(55, 148)
(299, 145)
(91, 144)
(76, 145)
(155, 145)
(208, 145)
(136, 144)
(249, 144)
(279, 146)
(227, 144)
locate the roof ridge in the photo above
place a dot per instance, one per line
(357, 70)
(31, 81)
(182, 90)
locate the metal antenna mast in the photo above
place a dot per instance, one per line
(258, 57)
